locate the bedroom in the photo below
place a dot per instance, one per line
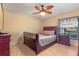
(18, 18)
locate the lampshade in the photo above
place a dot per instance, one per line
(42, 13)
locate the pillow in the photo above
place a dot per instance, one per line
(45, 33)
(51, 32)
(48, 32)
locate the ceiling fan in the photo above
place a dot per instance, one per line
(44, 10)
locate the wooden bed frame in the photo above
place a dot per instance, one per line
(32, 41)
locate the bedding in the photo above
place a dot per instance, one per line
(44, 39)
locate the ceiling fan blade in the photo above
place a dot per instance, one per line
(36, 13)
(48, 12)
(38, 8)
(49, 7)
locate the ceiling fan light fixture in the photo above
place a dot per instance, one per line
(42, 13)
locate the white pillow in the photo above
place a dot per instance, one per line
(51, 32)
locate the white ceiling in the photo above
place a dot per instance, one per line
(28, 8)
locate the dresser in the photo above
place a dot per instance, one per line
(64, 39)
(4, 44)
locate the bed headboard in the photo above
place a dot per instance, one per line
(50, 28)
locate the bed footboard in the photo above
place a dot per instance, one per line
(30, 40)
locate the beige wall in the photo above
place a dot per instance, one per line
(18, 23)
(1, 16)
(53, 20)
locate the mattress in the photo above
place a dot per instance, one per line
(44, 39)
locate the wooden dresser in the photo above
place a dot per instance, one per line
(4, 45)
(64, 39)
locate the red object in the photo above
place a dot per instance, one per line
(4, 45)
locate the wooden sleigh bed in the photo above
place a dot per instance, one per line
(32, 40)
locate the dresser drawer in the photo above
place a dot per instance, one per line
(4, 52)
(4, 49)
(3, 41)
(4, 45)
